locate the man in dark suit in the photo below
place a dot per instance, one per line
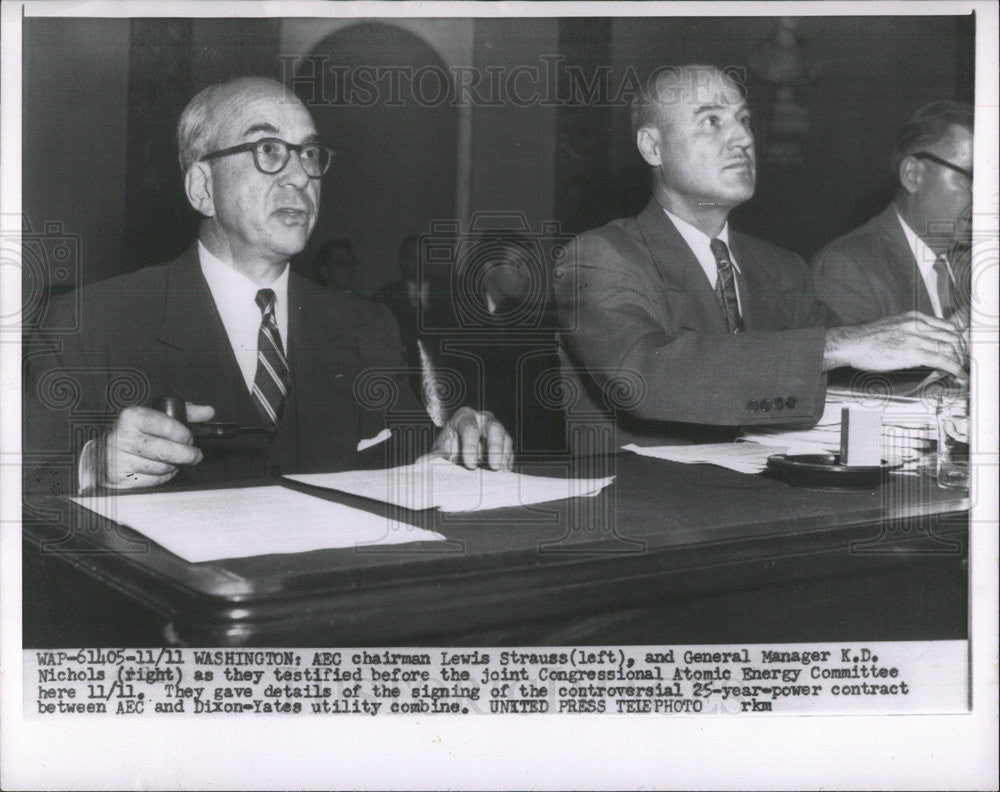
(908, 257)
(310, 377)
(686, 329)
(409, 299)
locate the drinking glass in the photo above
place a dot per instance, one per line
(953, 443)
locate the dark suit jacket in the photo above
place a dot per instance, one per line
(870, 273)
(157, 332)
(643, 332)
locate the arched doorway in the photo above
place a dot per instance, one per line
(383, 98)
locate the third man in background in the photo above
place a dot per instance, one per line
(912, 256)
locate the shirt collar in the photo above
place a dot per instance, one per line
(697, 239)
(924, 256)
(229, 285)
(235, 297)
(700, 244)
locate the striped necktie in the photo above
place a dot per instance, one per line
(725, 286)
(271, 382)
(943, 277)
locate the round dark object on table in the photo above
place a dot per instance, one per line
(824, 471)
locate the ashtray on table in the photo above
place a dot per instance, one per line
(825, 471)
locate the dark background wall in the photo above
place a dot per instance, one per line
(75, 133)
(395, 165)
(872, 74)
(513, 143)
(102, 97)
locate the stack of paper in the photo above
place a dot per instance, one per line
(908, 432)
(907, 426)
(430, 483)
(741, 457)
(208, 525)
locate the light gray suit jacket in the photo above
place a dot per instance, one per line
(644, 337)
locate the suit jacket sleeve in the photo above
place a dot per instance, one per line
(69, 397)
(627, 319)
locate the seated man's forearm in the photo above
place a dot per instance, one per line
(906, 341)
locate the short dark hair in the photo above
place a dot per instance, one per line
(666, 85)
(929, 125)
(645, 106)
(321, 261)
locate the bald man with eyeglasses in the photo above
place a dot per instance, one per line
(914, 256)
(289, 376)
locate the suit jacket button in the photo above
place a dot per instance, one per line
(753, 405)
(779, 403)
(790, 402)
(765, 405)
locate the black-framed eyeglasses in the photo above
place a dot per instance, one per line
(926, 155)
(270, 155)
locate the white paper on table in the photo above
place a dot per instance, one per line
(435, 482)
(741, 457)
(367, 443)
(208, 525)
(908, 426)
(461, 489)
(820, 440)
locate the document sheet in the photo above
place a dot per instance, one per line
(907, 434)
(741, 457)
(437, 483)
(209, 525)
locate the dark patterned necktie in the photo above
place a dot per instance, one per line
(270, 383)
(725, 286)
(943, 286)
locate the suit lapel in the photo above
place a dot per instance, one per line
(315, 340)
(679, 270)
(190, 319)
(901, 262)
(206, 371)
(320, 422)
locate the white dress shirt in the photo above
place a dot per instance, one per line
(700, 244)
(925, 258)
(235, 297)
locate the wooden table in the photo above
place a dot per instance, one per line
(668, 554)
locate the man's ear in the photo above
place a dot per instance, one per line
(647, 140)
(911, 173)
(198, 188)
